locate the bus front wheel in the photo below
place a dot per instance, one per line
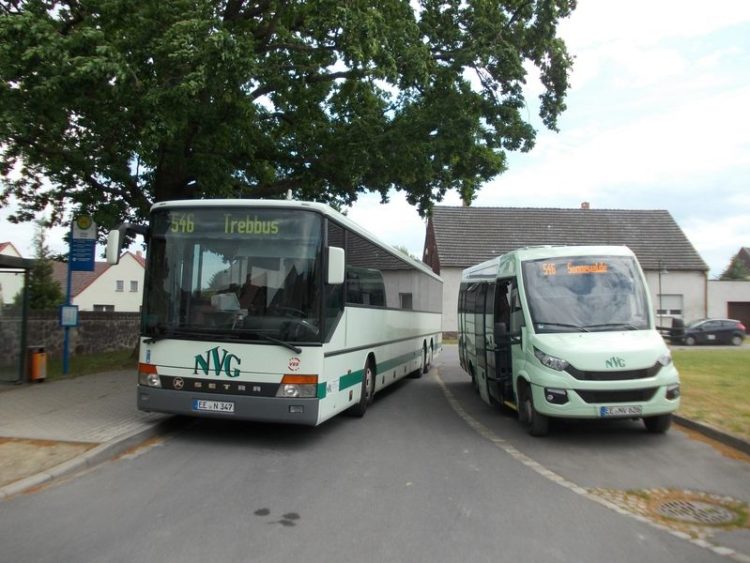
(658, 424)
(537, 424)
(368, 391)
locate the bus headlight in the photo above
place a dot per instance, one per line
(147, 375)
(665, 359)
(551, 362)
(298, 386)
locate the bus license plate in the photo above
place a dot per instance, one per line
(620, 411)
(213, 406)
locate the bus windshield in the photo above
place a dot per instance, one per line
(585, 294)
(234, 273)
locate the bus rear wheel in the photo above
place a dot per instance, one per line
(427, 356)
(368, 391)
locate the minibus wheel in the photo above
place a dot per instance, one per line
(658, 424)
(537, 424)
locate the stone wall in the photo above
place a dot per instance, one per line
(96, 332)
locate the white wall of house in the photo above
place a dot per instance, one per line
(11, 283)
(686, 288)
(720, 293)
(105, 289)
(451, 285)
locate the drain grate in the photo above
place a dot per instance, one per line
(697, 512)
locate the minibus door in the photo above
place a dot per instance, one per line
(480, 335)
(501, 387)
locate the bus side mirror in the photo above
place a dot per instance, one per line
(336, 260)
(114, 246)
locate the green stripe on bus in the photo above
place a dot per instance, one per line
(322, 391)
(389, 364)
(351, 379)
(355, 377)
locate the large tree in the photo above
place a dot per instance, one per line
(110, 105)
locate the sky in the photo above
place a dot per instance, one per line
(658, 118)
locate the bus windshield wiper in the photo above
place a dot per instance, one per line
(273, 339)
(158, 332)
(563, 325)
(627, 326)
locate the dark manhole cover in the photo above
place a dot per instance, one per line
(697, 512)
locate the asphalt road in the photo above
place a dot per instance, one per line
(429, 474)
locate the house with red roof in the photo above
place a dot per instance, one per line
(109, 287)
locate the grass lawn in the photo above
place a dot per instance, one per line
(715, 387)
(93, 363)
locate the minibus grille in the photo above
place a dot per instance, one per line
(623, 396)
(614, 375)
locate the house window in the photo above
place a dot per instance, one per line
(669, 305)
(104, 308)
(133, 286)
(119, 286)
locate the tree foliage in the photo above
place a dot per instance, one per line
(110, 105)
(44, 291)
(736, 271)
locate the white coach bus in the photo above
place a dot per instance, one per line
(278, 311)
(566, 332)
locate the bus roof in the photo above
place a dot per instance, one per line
(505, 265)
(321, 208)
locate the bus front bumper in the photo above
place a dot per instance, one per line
(238, 407)
(577, 407)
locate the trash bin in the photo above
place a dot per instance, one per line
(37, 363)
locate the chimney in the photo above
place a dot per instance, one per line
(585, 205)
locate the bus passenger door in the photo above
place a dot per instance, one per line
(516, 334)
(480, 336)
(501, 387)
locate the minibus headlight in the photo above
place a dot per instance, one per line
(552, 362)
(665, 359)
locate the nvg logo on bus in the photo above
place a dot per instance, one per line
(249, 226)
(212, 360)
(615, 362)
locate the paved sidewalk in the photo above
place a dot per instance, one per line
(54, 428)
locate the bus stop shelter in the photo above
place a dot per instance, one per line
(14, 323)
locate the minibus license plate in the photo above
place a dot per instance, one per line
(213, 406)
(620, 411)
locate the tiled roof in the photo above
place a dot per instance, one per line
(469, 235)
(80, 280)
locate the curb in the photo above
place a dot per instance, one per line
(96, 455)
(710, 432)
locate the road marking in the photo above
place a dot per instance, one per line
(503, 445)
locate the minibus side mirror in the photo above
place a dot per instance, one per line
(336, 261)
